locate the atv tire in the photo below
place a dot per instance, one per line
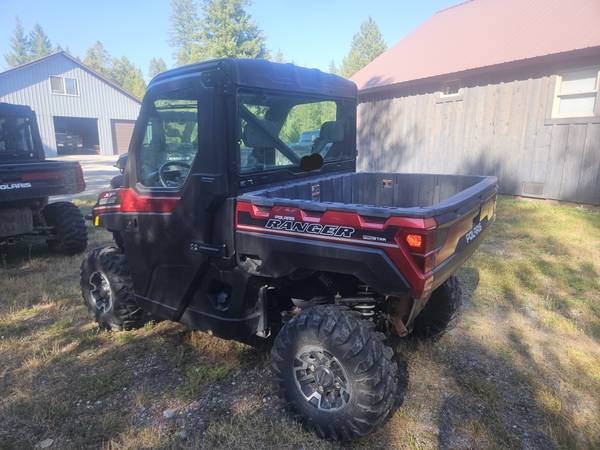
(108, 290)
(441, 312)
(335, 372)
(70, 232)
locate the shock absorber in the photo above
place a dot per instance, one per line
(365, 301)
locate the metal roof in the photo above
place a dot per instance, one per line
(76, 61)
(483, 33)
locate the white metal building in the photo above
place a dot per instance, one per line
(78, 110)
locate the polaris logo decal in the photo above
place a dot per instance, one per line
(10, 186)
(310, 228)
(474, 232)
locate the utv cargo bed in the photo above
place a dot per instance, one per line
(444, 197)
(364, 224)
(36, 179)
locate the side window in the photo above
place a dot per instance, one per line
(170, 140)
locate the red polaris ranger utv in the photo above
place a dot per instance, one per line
(225, 228)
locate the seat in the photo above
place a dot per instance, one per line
(331, 133)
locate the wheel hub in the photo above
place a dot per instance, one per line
(100, 291)
(324, 377)
(321, 378)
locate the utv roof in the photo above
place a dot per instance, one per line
(9, 108)
(262, 74)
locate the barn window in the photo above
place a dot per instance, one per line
(576, 94)
(64, 86)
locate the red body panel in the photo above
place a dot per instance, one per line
(392, 227)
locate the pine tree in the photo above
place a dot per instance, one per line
(279, 56)
(19, 46)
(39, 43)
(156, 66)
(332, 67)
(98, 59)
(227, 30)
(184, 30)
(367, 44)
(129, 77)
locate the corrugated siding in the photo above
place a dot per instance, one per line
(500, 129)
(96, 99)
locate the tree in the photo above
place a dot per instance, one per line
(98, 59)
(39, 43)
(129, 77)
(19, 46)
(156, 66)
(332, 67)
(279, 56)
(227, 30)
(184, 30)
(367, 44)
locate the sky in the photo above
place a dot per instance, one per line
(310, 33)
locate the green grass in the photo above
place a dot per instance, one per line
(522, 369)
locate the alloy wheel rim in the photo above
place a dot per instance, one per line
(100, 291)
(321, 378)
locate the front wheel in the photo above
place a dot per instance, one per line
(335, 372)
(107, 290)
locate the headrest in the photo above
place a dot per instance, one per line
(331, 132)
(173, 132)
(254, 137)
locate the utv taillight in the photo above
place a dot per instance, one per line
(419, 243)
(415, 241)
(109, 198)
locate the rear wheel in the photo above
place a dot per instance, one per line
(335, 372)
(70, 232)
(108, 290)
(441, 311)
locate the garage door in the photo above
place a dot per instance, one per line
(121, 133)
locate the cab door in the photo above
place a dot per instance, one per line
(176, 178)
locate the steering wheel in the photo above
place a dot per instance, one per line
(161, 172)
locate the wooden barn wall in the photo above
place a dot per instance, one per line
(496, 126)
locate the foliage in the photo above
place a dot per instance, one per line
(184, 27)
(332, 67)
(129, 77)
(19, 46)
(39, 43)
(306, 117)
(279, 56)
(225, 30)
(26, 48)
(120, 70)
(367, 44)
(98, 59)
(156, 66)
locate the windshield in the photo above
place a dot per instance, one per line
(15, 138)
(277, 130)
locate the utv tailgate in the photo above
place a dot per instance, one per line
(396, 232)
(19, 181)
